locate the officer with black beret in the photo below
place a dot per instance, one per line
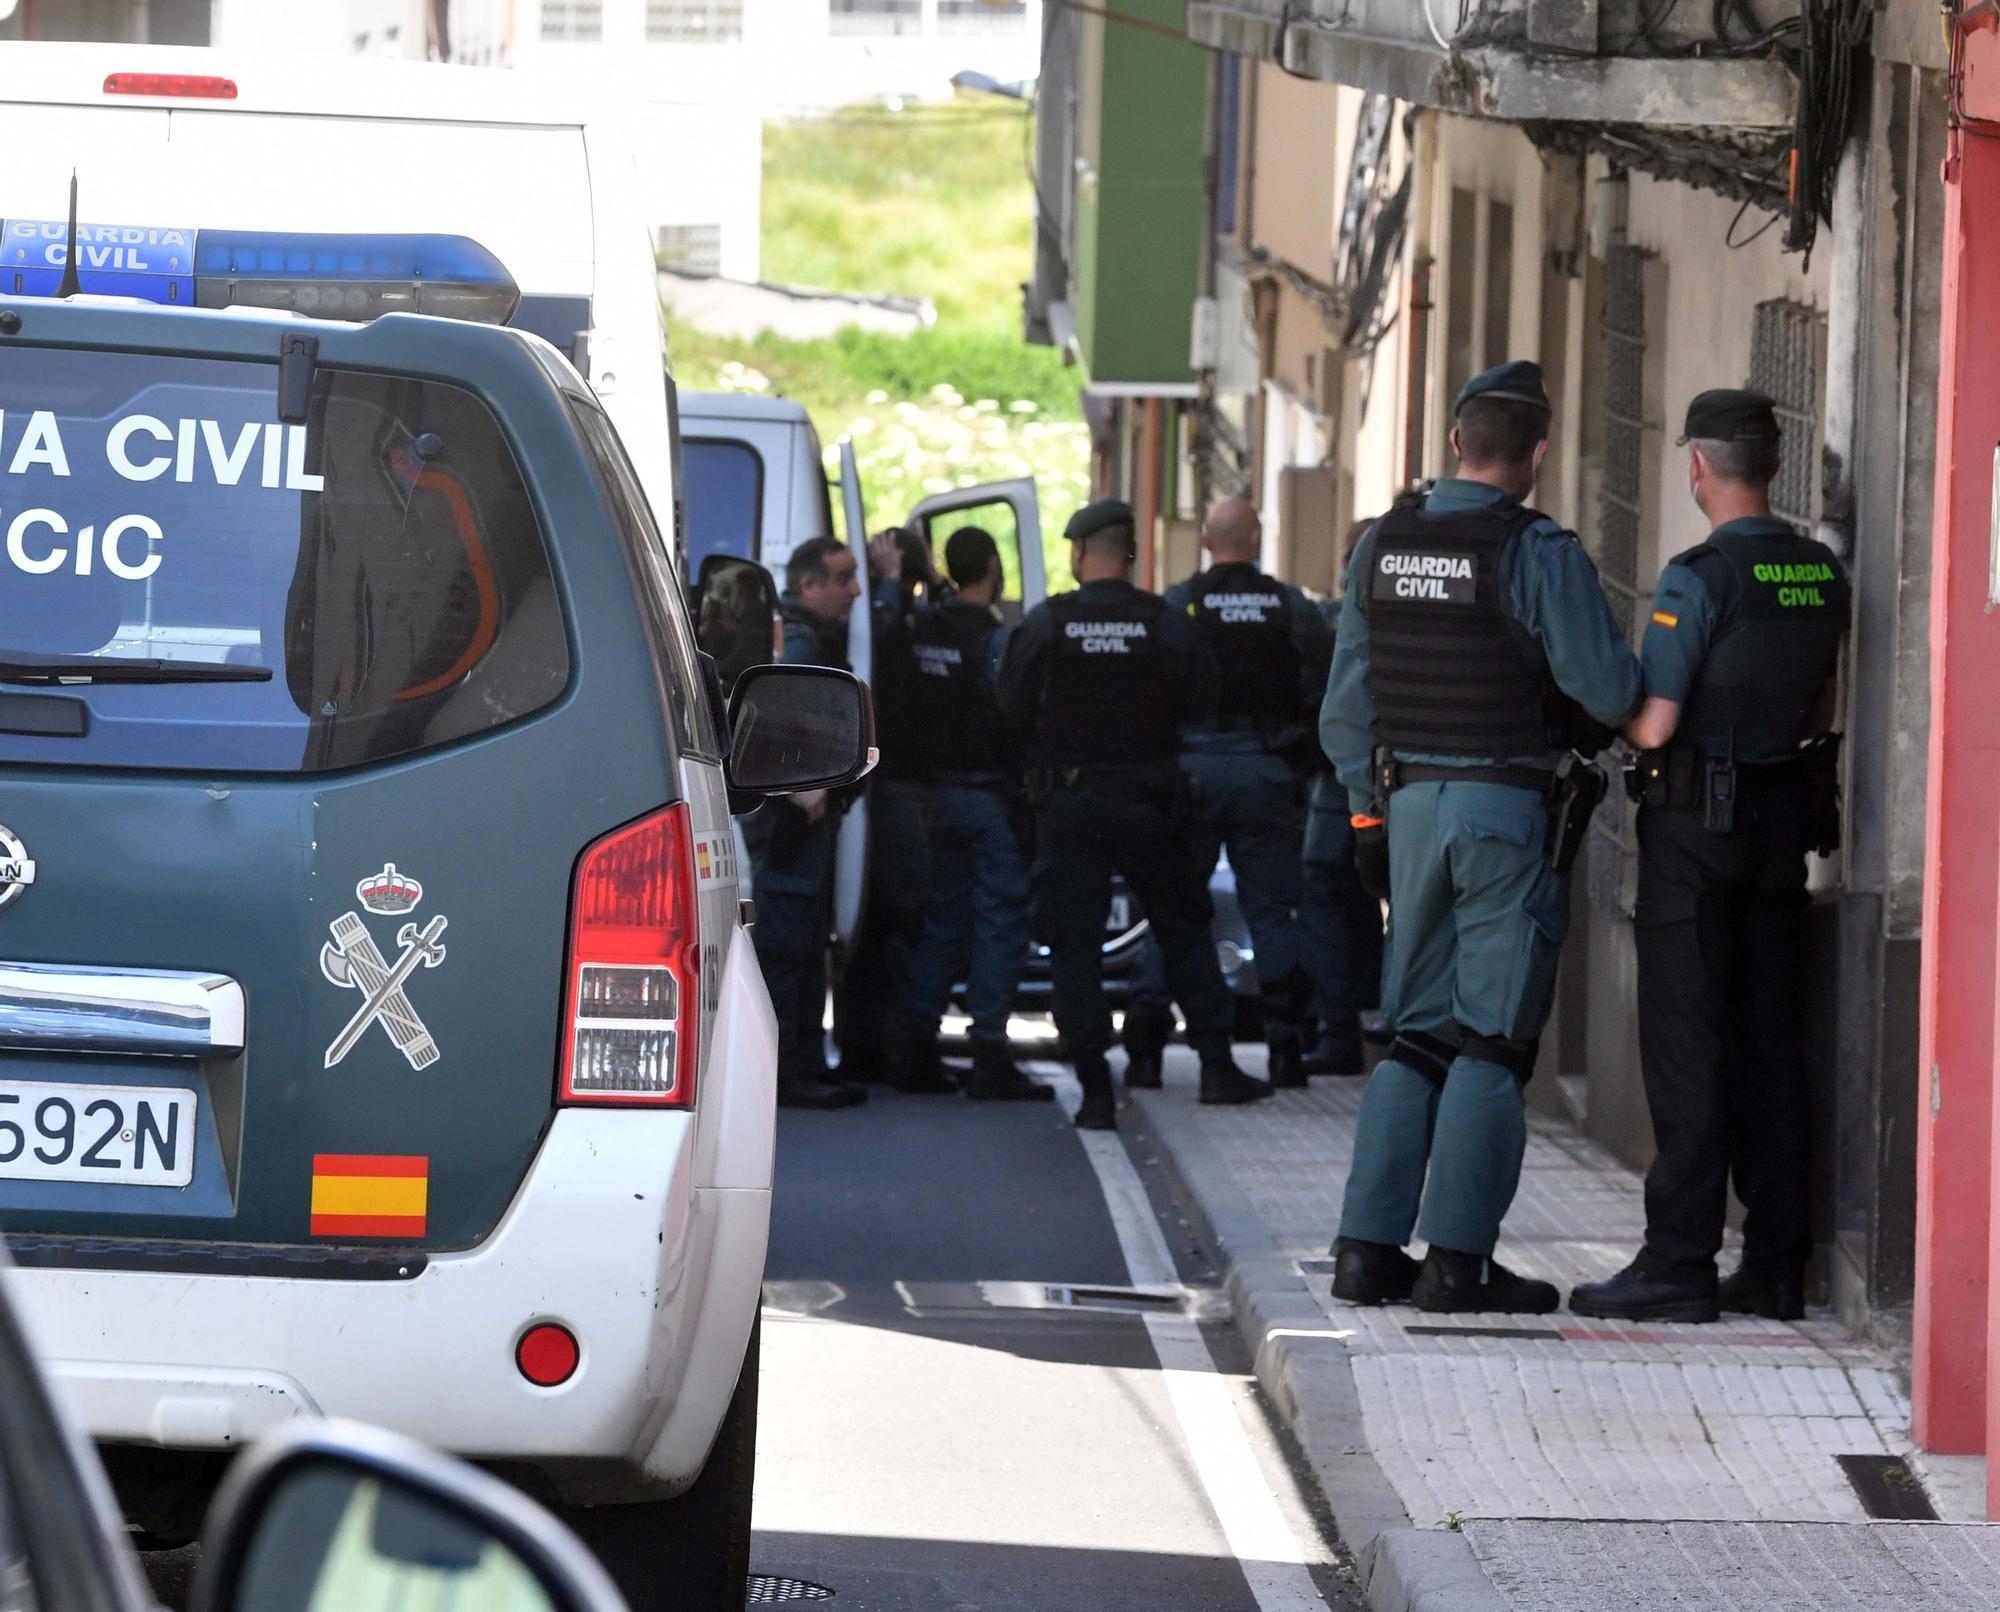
(1475, 652)
(1096, 685)
(1736, 783)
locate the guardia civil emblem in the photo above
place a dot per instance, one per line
(353, 961)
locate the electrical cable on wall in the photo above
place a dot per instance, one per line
(1831, 59)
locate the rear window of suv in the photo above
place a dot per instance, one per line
(218, 590)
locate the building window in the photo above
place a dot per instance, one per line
(691, 248)
(875, 16)
(573, 19)
(696, 21)
(982, 16)
(1787, 358)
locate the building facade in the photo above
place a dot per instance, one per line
(1645, 206)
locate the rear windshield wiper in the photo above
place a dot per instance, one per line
(107, 669)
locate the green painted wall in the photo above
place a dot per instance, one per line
(1139, 198)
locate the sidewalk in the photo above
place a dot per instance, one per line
(1553, 1462)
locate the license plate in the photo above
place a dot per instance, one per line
(128, 1136)
(1120, 918)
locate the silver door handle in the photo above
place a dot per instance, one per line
(157, 1012)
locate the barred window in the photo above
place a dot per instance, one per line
(1787, 360)
(1610, 869)
(990, 17)
(696, 21)
(692, 248)
(573, 19)
(875, 16)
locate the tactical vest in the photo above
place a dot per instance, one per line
(1107, 697)
(1243, 618)
(1773, 650)
(1450, 672)
(952, 705)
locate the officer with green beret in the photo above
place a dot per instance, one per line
(1736, 783)
(1475, 651)
(1096, 684)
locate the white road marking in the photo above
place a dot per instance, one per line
(1266, 1546)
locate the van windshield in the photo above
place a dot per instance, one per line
(187, 581)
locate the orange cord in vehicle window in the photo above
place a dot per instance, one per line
(456, 499)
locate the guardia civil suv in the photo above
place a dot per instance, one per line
(379, 1033)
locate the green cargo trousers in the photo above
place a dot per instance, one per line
(1476, 922)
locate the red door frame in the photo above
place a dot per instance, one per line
(1956, 1397)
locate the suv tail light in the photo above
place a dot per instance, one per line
(634, 987)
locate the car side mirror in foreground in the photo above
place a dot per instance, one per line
(795, 728)
(331, 1514)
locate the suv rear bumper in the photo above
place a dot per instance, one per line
(658, 1279)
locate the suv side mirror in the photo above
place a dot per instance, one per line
(328, 1514)
(794, 728)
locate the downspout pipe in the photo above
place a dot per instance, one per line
(1419, 265)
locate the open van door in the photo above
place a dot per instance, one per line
(1012, 513)
(850, 858)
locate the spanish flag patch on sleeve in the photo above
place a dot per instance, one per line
(370, 1195)
(1661, 618)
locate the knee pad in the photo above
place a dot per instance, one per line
(1429, 1055)
(1516, 1057)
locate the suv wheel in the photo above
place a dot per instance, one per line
(692, 1553)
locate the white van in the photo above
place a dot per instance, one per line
(757, 488)
(165, 139)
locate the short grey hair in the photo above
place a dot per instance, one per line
(1747, 461)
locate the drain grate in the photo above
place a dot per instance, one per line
(766, 1589)
(1887, 1488)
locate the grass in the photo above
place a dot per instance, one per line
(933, 201)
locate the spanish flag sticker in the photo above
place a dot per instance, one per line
(370, 1195)
(1665, 620)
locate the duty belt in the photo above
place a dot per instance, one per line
(1391, 775)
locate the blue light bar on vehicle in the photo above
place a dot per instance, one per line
(353, 276)
(325, 276)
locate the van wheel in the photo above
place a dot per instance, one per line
(692, 1553)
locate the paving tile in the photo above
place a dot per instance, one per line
(1599, 1423)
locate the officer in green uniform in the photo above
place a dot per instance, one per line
(1736, 785)
(1095, 687)
(1475, 650)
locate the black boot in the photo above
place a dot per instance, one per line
(995, 1079)
(1372, 1273)
(1223, 1082)
(1331, 1057)
(1453, 1283)
(1148, 1028)
(1285, 1065)
(1775, 1295)
(1642, 1292)
(1099, 1109)
(820, 1094)
(920, 1071)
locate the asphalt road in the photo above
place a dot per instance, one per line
(926, 1444)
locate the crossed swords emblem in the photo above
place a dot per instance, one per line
(352, 960)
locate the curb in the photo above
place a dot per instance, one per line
(1309, 1377)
